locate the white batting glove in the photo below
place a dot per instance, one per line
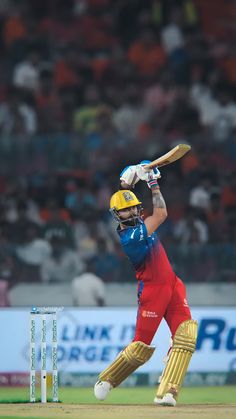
(147, 176)
(128, 177)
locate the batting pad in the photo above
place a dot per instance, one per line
(134, 355)
(184, 345)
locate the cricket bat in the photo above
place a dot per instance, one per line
(174, 154)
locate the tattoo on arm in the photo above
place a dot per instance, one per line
(158, 200)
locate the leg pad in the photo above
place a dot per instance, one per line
(184, 344)
(134, 355)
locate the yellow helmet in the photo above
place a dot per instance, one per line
(123, 199)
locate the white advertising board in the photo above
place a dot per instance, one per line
(89, 339)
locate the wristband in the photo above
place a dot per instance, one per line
(152, 183)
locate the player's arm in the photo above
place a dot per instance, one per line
(131, 175)
(159, 213)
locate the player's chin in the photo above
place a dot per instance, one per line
(130, 222)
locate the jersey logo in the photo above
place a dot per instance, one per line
(141, 237)
(141, 234)
(132, 235)
(146, 313)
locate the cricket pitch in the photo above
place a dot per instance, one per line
(108, 411)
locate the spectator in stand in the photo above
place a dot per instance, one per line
(17, 32)
(105, 263)
(97, 27)
(215, 219)
(112, 68)
(4, 296)
(67, 69)
(228, 62)
(173, 42)
(48, 102)
(63, 264)
(88, 290)
(224, 118)
(228, 196)
(162, 91)
(88, 228)
(14, 28)
(87, 245)
(20, 229)
(181, 119)
(103, 196)
(146, 53)
(85, 116)
(172, 37)
(190, 164)
(26, 73)
(217, 109)
(200, 195)
(57, 221)
(225, 252)
(31, 255)
(72, 200)
(32, 207)
(59, 24)
(16, 116)
(8, 270)
(95, 140)
(107, 137)
(190, 228)
(196, 261)
(9, 202)
(127, 19)
(132, 112)
(68, 98)
(17, 196)
(176, 194)
(79, 199)
(80, 229)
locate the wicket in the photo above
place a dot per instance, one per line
(43, 312)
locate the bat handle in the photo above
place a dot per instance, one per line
(148, 168)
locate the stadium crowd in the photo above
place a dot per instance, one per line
(90, 86)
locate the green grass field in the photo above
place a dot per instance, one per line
(125, 403)
(138, 395)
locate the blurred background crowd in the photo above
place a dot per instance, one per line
(90, 86)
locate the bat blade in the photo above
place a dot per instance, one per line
(174, 154)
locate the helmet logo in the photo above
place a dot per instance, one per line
(127, 196)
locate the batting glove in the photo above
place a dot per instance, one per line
(129, 176)
(143, 174)
(149, 177)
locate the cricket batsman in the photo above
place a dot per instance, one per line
(161, 294)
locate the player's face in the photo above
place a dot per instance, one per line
(128, 212)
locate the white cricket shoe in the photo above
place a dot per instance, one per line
(167, 400)
(101, 389)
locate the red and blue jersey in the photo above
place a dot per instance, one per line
(147, 254)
